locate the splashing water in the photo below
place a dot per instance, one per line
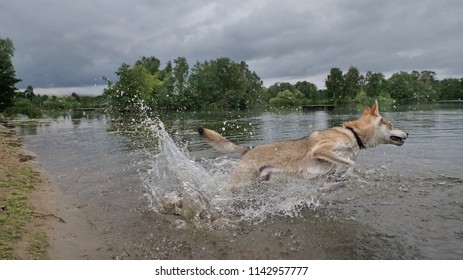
(176, 183)
(199, 191)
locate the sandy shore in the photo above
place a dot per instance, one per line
(47, 212)
(70, 233)
(23, 189)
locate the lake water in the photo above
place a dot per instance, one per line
(157, 191)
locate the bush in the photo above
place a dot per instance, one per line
(23, 106)
(288, 99)
(384, 99)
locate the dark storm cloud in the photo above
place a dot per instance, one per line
(74, 43)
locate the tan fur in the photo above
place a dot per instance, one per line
(320, 153)
(219, 142)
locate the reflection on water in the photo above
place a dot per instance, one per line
(155, 193)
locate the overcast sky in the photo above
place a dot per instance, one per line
(62, 43)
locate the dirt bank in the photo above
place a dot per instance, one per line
(36, 222)
(21, 187)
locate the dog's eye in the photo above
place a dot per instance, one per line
(386, 122)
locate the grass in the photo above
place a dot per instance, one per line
(37, 247)
(17, 180)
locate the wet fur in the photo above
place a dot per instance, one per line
(325, 152)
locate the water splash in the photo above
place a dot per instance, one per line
(175, 182)
(198, 191)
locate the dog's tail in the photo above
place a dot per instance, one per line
(219, 142)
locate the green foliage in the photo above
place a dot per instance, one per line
(403, 87)
(364, 99)
(309, 91)
(351, 83)
(288, 99)
(7, 74)
(23, 106)
(215, 84)
(175, 94)
(59, 104)
(342, 89)
(135, 84)
(224, 84)
(37, 247)
(151, 64)
(29, 93)
(334, 86)
(15, 187)
(31, 105)
(451, 89)
(274, 89)
(375, 84)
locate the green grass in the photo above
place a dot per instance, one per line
(17, 180)
(17, 214)
(37, 247)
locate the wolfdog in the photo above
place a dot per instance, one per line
(322, 153)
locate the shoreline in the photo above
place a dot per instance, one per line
(37, 220)
(22, 216)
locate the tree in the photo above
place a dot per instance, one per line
(135, 87)
(428, 77)
(8, 78)
(351, 83)
(150, 63)
(309, 91)
(175, 84)
(413, 87)
(451, 89)
(334, 84)
(29, 93)
(288, 98)
(375, 84)
(75, 96)
(274, 89)
(180, 75)
(430, 85)
(404, 87)
(167, 71)
(223, 83)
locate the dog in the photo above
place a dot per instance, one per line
(322, 153)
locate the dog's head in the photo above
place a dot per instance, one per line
(373, 129)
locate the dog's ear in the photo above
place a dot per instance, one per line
(375, 109)
(366, 111)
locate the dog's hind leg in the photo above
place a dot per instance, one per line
(264, 173)
(243, 175)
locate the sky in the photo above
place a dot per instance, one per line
(63, 45)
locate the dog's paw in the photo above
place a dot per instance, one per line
(348, 174)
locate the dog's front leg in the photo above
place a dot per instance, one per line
(350, 171)
(324, 151)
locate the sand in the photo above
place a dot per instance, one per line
(64, 227)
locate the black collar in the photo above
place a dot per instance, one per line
(357, 137)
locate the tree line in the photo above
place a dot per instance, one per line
(223, 84)
(345, 88)
(215, 84)
(227, 85)
(402, 87)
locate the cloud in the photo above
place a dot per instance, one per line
(74, 43)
